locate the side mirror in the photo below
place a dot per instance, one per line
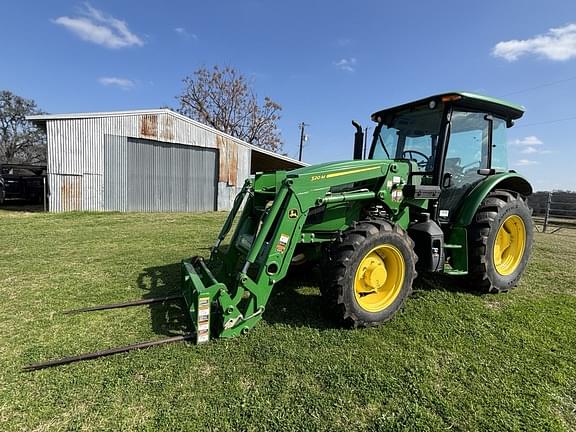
(486, 171)
(446, 180)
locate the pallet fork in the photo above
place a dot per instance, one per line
(119, 349)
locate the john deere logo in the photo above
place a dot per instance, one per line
(293, 213)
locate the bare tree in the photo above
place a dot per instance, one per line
(223, 99)
(20, 141)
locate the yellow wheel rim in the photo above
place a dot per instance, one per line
(509, 245)
(379, 278)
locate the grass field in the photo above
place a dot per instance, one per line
(452, 360)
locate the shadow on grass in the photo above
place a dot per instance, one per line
(444, 282)
(169, 318)
(294, 301)
(287, 304)
(290, 304)
(22, 206)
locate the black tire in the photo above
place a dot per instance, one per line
(340, 270)
(496, 208)
(2, 195)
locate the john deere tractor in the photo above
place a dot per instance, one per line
(434, 195)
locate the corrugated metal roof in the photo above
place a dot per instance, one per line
(84, 115)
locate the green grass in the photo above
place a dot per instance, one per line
(452, 360)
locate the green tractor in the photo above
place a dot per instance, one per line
(434, 195)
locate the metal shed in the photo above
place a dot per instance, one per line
(146, 160)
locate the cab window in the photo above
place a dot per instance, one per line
(467, 147)
(411, 135)
(499, 145)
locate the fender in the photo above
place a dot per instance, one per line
(508, 180)
(458, 236)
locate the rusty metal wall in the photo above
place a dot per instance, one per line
(76, 148)
(66, 190)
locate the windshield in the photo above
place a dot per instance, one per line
(409, 135)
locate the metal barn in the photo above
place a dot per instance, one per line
(146, 160)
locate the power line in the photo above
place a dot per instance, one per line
(548, 84)
(546, 122)
(543, 85)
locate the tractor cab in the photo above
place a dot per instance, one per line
(453, 141)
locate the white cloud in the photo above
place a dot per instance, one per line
(529, 150)
(123, 83)
(525, 162)
(185, 34)
(530, 145)
(557, 44)
(528, 141)
(346, 64)
(99, 28)
(344, 42)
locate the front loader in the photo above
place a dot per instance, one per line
(435, 195)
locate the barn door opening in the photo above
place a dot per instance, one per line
(146, 175)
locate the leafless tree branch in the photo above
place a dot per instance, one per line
(223, 99)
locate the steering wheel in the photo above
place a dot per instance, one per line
(422, 163)
(469, 165)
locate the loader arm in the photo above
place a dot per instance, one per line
(227, 294)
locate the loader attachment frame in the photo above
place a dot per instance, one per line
(231, 308)
(227, 295)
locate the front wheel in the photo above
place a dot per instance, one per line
(500, 239)
(370, 273)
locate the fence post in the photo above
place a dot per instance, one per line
(548, 203)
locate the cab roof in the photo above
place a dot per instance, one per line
(474, 101)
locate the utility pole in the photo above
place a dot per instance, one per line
(302, 138)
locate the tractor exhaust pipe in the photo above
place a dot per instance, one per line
(358, 140)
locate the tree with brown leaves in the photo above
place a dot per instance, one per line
(223, 99)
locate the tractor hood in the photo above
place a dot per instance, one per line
(341, 168)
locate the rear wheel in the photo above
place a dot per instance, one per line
(370, 273)
(500, 241)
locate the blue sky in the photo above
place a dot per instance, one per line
(325, 62)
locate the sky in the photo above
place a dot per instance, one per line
(324, 62)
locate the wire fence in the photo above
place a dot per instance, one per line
(553, 211)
